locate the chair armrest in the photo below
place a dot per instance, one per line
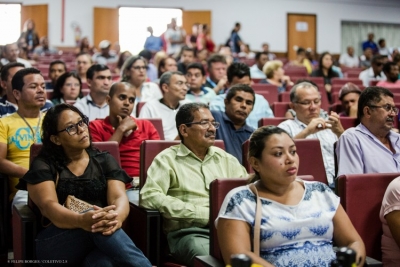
(372, 262)
(24, 232)
(207, 261)
(143, 226)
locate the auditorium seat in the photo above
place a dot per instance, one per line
(361, 197)
(348, 122)
(157, 122)
(343, 81)
(138, 108)
(280, 108)
(270, 95)
(85, 92)
(271, 121)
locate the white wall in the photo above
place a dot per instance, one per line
(262, 20)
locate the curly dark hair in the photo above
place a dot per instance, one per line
(49, 127)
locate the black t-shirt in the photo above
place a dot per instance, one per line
(91, 186)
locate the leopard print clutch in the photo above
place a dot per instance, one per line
(77, 205)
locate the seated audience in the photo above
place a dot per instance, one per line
(83, 63)
(216, 66)
(265, 48)
(68, 165)
(198, 92)
(94, 105)
(239, 73)
(84, 47)
(307, 124)
(239, 102)
(166, 64)
(134, 72)
(174, 87)
(299, 220)
(21, 129)
(326, 71)
(371, 147)
(349, 59)
(311, 56)
(11, 54)
(121, 60)
(370, 44)
(365, 58)
(374, 72)
(382, 48)
(201, 56)
(44, 48)
(153, 43)
(123, 128)
(391, 71)
(203, 40)
(68, 89)
(178, 182)
(246, 52)
(56, 69)
(389, 216)
(275, 75)
(151, 72)
(105, 56)
(348, 96)
(158, 57)
(187, 57)
(8, 103)
(256, 71)
(301, 60)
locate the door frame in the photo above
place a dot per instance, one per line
(287, 30)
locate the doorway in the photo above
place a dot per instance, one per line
(302, 32)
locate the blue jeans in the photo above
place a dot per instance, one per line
(77, 247)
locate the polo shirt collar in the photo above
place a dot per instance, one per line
(89, 100)
(245, 127)
(203, 91)
(393, 137)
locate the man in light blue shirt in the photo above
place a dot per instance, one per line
(153, 43)
(256, 71)
(239, 73)
(371, 147)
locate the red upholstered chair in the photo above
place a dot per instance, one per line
(268, 91)
(337, 107)
(343, 81)
(361, 196)
(85, 92)
(311, 161)
(139, 107)
(284, 97)
(271, 121)
(25, 221)
(348, 122)
(147, 233)
(280, 108)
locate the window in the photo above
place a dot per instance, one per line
(10, 23)
(133, 23)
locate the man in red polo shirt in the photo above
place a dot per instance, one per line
(119, 126)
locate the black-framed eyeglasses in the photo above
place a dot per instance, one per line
(73, 128)
(308, 103)
(387, 107)
(205, 124)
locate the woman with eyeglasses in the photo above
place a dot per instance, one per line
(298, 220)
(134, 72)
(69, 165)
(68, 88)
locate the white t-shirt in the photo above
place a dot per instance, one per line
(348, 61)
(149, 91)
(156, 109)
(175, 35)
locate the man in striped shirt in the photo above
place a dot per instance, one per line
(178, 182)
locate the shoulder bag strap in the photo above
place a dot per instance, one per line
(257, 222)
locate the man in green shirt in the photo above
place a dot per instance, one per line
(178, 182)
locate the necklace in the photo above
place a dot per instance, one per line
(30, 127)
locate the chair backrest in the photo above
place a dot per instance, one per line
(343, 81)
(109, 146)
(271, 121)
(219, 188)
(284, 97)
(157, 124)
(149, 149)
(348, 122)
(270, 94)
(139, 107)
(311, 161)
(353, 191)
(280, 108)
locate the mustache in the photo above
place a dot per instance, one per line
(391, 119)
(210, 133)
